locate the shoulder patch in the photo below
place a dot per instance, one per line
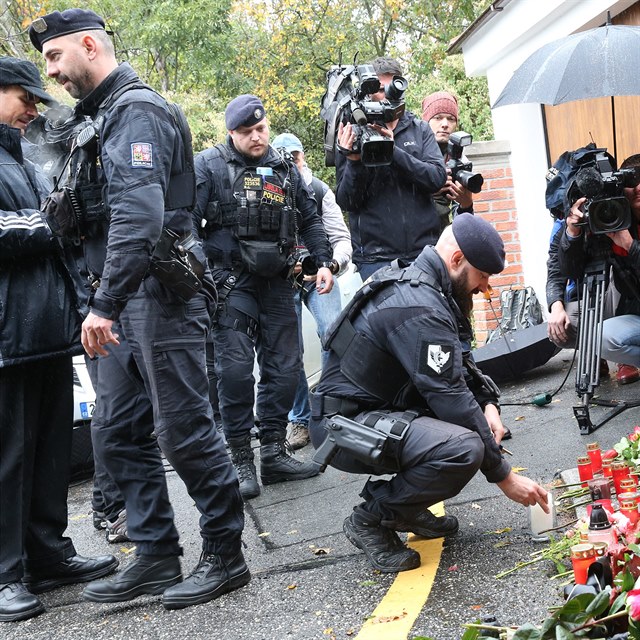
(436, 359)
(142, 155)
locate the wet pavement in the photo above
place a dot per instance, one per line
(310, 583)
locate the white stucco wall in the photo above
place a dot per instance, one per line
(496, 49)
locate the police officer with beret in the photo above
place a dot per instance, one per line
(400, 395)
(40, 314)
(129, 197)
(251, 206)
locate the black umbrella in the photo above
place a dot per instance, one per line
(590, 64)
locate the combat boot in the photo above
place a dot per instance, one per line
(276, 465)
(242, 459)
(382, 546)
(425, 525)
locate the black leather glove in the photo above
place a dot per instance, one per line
(61, 212)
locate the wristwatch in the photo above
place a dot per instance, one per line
(333, 266)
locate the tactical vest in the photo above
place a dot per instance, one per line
(259, 207)
(359, 356)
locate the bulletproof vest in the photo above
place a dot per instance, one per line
(258, 205)
(359, 356)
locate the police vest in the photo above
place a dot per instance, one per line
(258, 205)
(358, 354)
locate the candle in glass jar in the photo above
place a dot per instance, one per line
(629, 508)
(594, 453)
(584, 470)
(619, 470)
(606, 468)
(582, 556)
(539, 521)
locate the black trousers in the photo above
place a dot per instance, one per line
(155, 383)
(36, 424)
(436, 460)
(268, 302)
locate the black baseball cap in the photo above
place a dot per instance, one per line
(25, 74)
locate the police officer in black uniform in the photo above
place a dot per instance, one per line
(129, 201)
(40, 314)
(415, 404)
(251, 205)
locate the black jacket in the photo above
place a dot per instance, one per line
(212, 184)
(40, 307)
(391, 210)
(140, 148)
(576, 254)
(412, 324)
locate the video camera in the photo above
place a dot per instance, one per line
(606, 209)
(348, 99)
(462, 172)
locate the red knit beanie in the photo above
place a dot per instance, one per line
(439, 102)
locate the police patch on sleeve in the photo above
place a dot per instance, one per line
(142, 155)
(436, 359)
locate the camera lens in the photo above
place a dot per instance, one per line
(396, 88)
(609, 214)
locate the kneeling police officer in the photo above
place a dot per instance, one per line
(401, 395)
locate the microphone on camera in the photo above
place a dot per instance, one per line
(589, 182)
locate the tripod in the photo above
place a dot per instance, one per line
(594, 287)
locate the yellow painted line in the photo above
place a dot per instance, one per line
(396, 613)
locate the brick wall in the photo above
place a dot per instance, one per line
(495, 203)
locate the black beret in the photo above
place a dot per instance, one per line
(480, 243)
(25, 74)
(57, 24)
(244, 111)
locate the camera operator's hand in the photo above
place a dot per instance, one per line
(622, 239)
(575, 217)
(558, 323)
(461, 195)
(324, 280)
(346, 138)
(524, 490)
(383, 131)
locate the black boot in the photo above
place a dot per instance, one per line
(242, 459)
(384, 550)
(145, 575)
(17, 603)
(425, 525)
(213, 576)
(276, 465)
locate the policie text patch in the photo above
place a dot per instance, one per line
(435, 359)
(142, 155)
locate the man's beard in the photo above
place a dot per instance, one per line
(461, 294)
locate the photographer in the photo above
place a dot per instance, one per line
(391, 209)
(621, 333)
(440, 110)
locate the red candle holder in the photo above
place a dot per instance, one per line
(585, 472)
(606, 468)
(595, 455)
(619, 470)
(582, 556)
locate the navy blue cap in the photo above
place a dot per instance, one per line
(244, 111)
(25, 74)
(57, 24)
(480, 243)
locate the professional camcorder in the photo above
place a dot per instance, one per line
(348, 99)
(606, 209)
(462, 172)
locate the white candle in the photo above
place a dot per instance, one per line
(541, 521)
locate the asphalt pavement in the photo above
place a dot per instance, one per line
(310, 583)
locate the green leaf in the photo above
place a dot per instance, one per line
(635, 548)
(471, 634)
(634, 630)
(564, 634)
(599, 604)
(527, 632)
(575, 606)
(619, 603)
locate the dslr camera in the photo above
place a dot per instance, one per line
(462, 172)
(348, 99)
(606, 209)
